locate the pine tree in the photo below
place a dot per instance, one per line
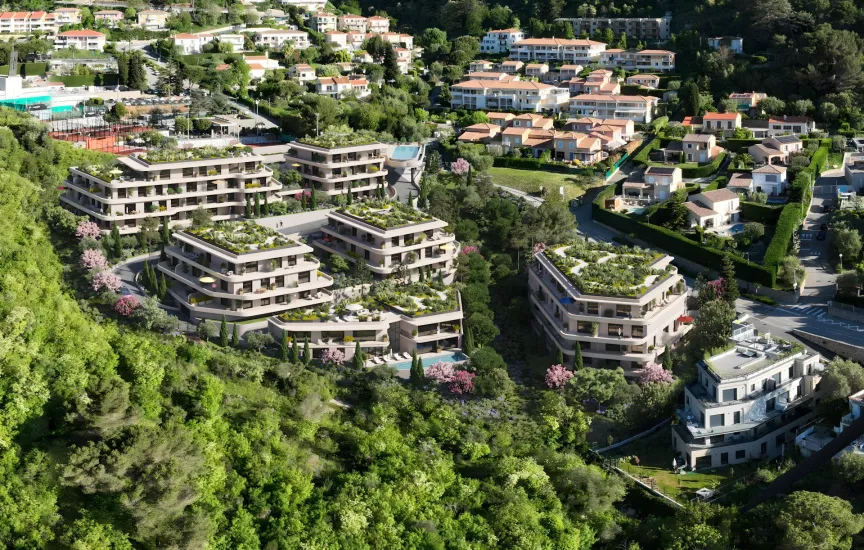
(266, 207)
(166, 233)
(359, 358)
(283, 346)
(730, 283)
(350, 197)
(257, 206)
(667, 359)
(307, 354)
(559, 357)
(313, 200)
(248, 213)
(116, 243)
(223, 333)
(235, 336)
(418, 377)
(577, 358)
(294, 357)
(468, 343)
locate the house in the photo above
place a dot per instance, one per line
(538, 140)
(566, 72)
(480, 133)
(643, 60)
(378, 24)
(600, 82)
(305, 5)
(277, 38)
(853, 170)
(397, 39)
(501, 119)
(735, 44)
(651, 29)
(770, 179)
(741, 182)
(700, 148)
(636, 108)
(787, 144)
(796, 125)
(758, 127)
(575, 146)
(323, 22)
(481, 65)
(658, 182)
(259, 64)
(500, 77)
(747, 402)
(500, 41)
(191, 43)
(775, 150)
(625, 127)
(109, 18)
(747, 100)
(723, 124)
(532, 121)
(645, 80)
(714, 209)
(517, 96)
(351, 22)
(67, 16)
(342, 86)
(85, 39)
(578, 51)
(339, 39)
(237, 41)
(362, 56)
(152, 20)
(403, 59)
(510, 66)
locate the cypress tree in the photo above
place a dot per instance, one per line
(667, 359)
(559, 358)
(266, 207)
(359, 358)
(295, 355)
(313, 200)
(303, 201)
(248, 213)
(166, 233)
(577, 359)
(730, 283)
(418, 377)
(116, 243)
(283, 346)
(162, 256)
(422, 274)
(163, 287)
(235, 336)
(223, 333)
(257, 206)
(307, 354)
(350, 194)
(468, 343)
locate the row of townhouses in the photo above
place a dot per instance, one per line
(323, 22)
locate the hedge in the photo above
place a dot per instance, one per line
(677, 244)
(703, 170)
(86, 80)
(693, 188)
(790, 219)
(641, 158)
(26, 69)
(531, 164)
(762, 213)
(718, 183)
(739, 145)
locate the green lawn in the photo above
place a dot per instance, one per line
(834, 159)
(531, 180)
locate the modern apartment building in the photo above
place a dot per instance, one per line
(354, 163)
(393, 239)
(621, 306)
(748, 401)
(26, 22)
(82, 40)
(110, 18)
(636, 108)
(170, 184)
(323, 22)
(351, 22)
(643, 28)
(152, 20)
(242, 270)
(500, 41)
(644, 60)
(573, 51)
(276, 38)
(509, 96)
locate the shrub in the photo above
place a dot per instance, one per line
(767, 300)
(754, 230)
(259, 340)
(761, 213)
(93, 259)
(441, 372)
(790, 219)
(462, 383)
(105, 280)
(127, 305)
(333, 356)
(705, 169)
(557, 376)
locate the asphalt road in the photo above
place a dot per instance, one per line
(128, 271)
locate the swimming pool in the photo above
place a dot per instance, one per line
(405, 152)
(737, 228)
(449, 357)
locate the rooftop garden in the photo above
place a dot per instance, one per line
(105, 172)
(386, 215)
(363, 309)
(603, 269)
(341, 137)
(415, 299)
(160, 156)
(241, 237)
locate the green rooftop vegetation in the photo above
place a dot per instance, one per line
(363, 309)
(415, 299)
(161, 156)
(105, 172)
(241, 237)
(603, 269)
(386, 215)
(341, 137)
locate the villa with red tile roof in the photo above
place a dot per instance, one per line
(723, 124)
(85, 39)
(517, 96)
(576, 51)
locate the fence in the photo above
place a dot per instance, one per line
(610, 172)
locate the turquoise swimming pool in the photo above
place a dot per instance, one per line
(450, 357)
(405, 152)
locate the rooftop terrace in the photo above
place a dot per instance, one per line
(162, 156)
(385, 215)
(240, 237)
(352, 310)
(748, 352)
(415, 299)
(603, 269)
(332, 140)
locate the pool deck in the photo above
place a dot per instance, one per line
(415, 161)
(405, 373)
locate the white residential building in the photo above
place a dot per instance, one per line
(636, 108)
(716, 209)
(83, 40)
(794, 125)
(658, 183)
(192, 43)
(67, 16)
(747, 402)
(342, 86)
(644, 60)
(275, 38)
(734, 43)
(500, 41)
(339, 39)
(26, 22)
(351, 22)
(573, 51)
(505, 96)
(110, 18)
(152, 20)
(574, 304)
(308, 5)
(323, 22)
(237, 41)
(302, 72)
(377, 24)
(356, 165)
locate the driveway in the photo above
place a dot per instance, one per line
(128, 270)
(821, 276)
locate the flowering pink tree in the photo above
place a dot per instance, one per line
(716, 287)
(333, 356)
(539, 247)
(105, 280)
(460, 167)
(92, 258)
(127, 305)
(462, 382)
(441, 372)
(654, 373)
(87, 230)
(470, 249)
(557, 376)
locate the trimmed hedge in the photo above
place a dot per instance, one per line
(762, 213)
(641, 158)
(739, 145)
(86, 80)
(790, 219)
(693, 188)
(677, 244)
(704, 169)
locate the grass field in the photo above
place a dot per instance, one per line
(531, 180)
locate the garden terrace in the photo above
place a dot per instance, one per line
(333, 141)
(416, 299)
(105, 172)
(347, 311)
(385, 215)
(605, 270)
(163, 156)
(241, 237)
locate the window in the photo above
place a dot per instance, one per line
(736, 417)
(718, 420)
(280, 299)
(740, 454)
(724, 458)
(730, 395)
(265, 301)
(763, 448)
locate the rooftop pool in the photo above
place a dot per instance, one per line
(449, 357)
(405, 152)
